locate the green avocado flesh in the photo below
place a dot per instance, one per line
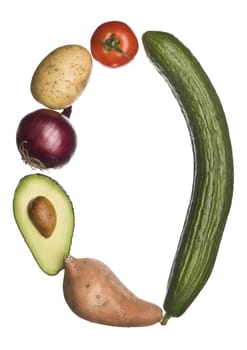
(48, 252)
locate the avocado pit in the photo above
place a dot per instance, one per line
(43, 215)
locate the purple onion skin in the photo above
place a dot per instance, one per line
(46, 139)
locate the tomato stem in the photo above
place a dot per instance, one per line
(112, 44)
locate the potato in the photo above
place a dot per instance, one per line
(61, 76)
(94, 293)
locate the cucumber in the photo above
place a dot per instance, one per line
(212, 189)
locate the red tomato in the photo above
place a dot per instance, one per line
(114, 44)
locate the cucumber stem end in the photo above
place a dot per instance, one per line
(165, 319)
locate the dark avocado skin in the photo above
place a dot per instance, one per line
(48, 252)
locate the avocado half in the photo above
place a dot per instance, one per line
(48, 252)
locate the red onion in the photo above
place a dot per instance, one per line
(45, 139)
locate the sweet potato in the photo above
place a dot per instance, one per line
(94, 293)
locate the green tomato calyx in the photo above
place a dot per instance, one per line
(112, 44)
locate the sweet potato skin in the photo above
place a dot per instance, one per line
(95, 293)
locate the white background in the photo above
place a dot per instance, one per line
(130, 179)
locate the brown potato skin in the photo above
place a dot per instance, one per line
(95, 293)
(61, 76)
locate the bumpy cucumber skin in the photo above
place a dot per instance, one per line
(212, 189)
